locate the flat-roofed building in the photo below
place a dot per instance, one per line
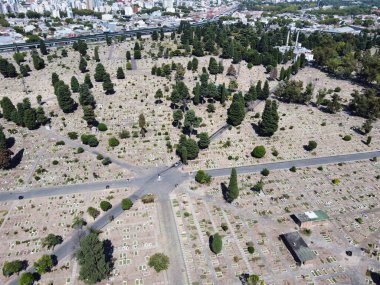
(298, 247)
(310, 218)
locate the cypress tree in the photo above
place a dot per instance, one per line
(8, 108)
(85, 96)
(236, 112)
(82, 65)
(269, 119)
(30, 119)
(65, 102)
(41, 117)
(43, 47)
(282, 74)
(19, 118)
(3, 139)
(128, 55)
(233, 190)
(11, 70)
(89, 115)
(96, 54)
(87, 80)
(99, 72)
(74, 84)
(213, 67)
(120, 73)
(258, 89)
(107, 84)
(265, 91)
(54, 78)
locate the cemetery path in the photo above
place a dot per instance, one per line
(304, 162)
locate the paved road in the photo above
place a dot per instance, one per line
(169, 179)
(297, 163)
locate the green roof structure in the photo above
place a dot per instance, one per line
(297, 247)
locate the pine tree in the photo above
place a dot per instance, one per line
(128, 55)
(258, 89)
(82, 65)
(30, 119)
(99, 72)
(89, 115)
(269, 119)
(204, 140)
(41, 117)
(213, 67)
(194, 64)
(223, 93)
(65, 102)
(54, 78)
(282, 74)
(85, 96)
(107, 84)
(236, 112)
(8, 108)
(265, 92)
(3, 139)
(87, 80)
(43, 48)
(197, 94)
(120, 73)
(233, 189)
(96, 54)
(74, 84)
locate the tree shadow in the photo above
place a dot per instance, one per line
(256, 128)
(224, 188)
(10, 142)
(54, 259)
(25, 264)
(17, 158)
(375, 277)
(108, 251)
(358, 131)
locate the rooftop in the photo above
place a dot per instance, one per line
(298, 247)
(317, 215)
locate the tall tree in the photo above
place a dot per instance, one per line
(30, 119)
(269, 119)
(236, 112)
(96, 54)
(65, 102)
(82, 65)
(87, 80)
(89, 115)
(99, 72)
(92, 259)
(233, 189)
(120, 73)
(265, 92)
(74, 84)
(107, 84)
(43, 49)
(213, 67)
(85, 96)
(191, 121)
(8, 108)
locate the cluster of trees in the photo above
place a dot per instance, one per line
(293, 69)
(206, 91)
(102, 76)
(38, 62)
(94, 258)
(23, 114)
(81, 47)
(365, 104)
(7, 69)
(269, 119)
(63, 93)
(238, 42)
(193, 65)
(346, 55)
(292, 92)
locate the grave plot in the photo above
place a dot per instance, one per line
(135, 237)
(27, 222)
(297, 126)
(347, 192)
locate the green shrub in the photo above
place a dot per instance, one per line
(73, 135)
(265, 172)
(335, 181)
(347, 138)
(55, 162)
(293, 169)
(60, 143)
(112, 142)
(126, 204)
(216, 243)
(258, 151)
(99, 156)
(251, 249)
(102, 127)
(202, 177)
(311, 145)
(106, 161)
(105, 206)
(80, 150)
